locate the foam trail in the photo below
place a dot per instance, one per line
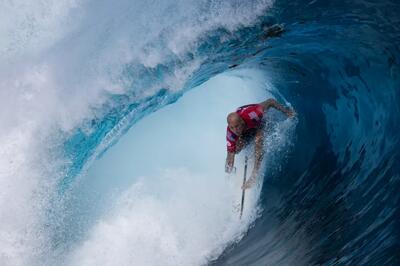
(177, 207)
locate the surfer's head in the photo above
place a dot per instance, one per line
(235, 123)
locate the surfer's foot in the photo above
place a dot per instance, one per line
(249, 183)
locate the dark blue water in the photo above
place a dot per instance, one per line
(339, 202)
(335, 199)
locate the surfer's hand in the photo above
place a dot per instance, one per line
(290, 113)
(250, 182)
(230, 169)
(230, 160)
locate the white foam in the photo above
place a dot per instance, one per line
(28, 27)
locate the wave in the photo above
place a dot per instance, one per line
(80, 79)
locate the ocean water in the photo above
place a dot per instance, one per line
(112, 141)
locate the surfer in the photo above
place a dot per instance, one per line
(247, 124)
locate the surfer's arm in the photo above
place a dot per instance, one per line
(273, 103)
(230, 160)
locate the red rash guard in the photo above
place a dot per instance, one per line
(252, 115)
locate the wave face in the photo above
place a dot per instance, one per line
(338, 64)
(93, 171)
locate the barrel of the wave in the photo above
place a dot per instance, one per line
(243, 189)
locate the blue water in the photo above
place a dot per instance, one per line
(339, 65)
(330, 187)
